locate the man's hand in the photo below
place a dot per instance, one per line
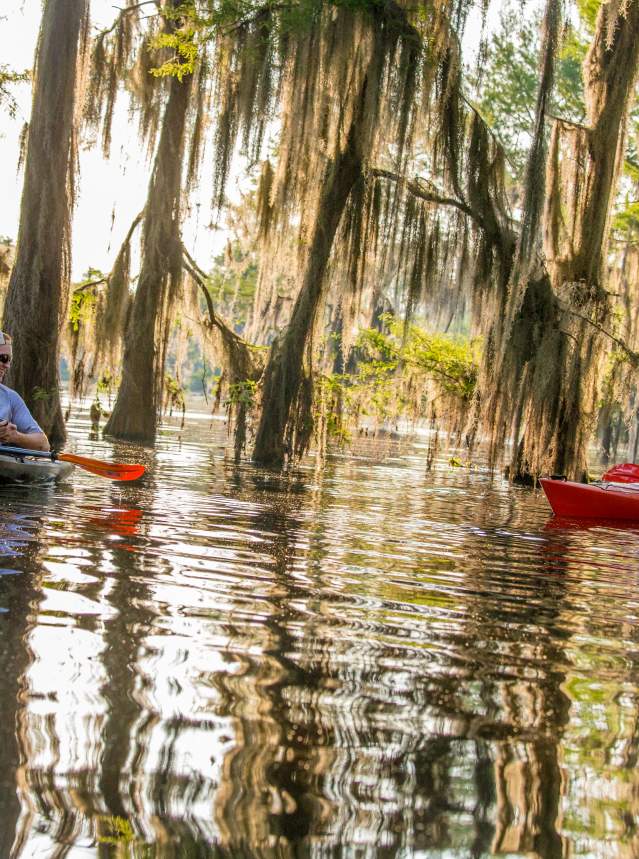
(8, 433)
(33, 440)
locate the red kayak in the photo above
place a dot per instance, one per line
(592, 500)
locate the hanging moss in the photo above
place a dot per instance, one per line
(111, 55)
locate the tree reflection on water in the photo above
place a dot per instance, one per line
(224, 662)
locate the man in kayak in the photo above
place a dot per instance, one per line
(17, 426)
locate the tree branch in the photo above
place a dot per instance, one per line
(417, 190)
(136, 221)
(192, 270)
(632, 356)
(570, 122)
(251, 19)
(125, 10)
(492, 133)
(234, 345)
(107, 277)
(90, 284)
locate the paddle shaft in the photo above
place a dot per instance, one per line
(24, 451)
(109, 470)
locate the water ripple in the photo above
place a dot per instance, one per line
(225, 661)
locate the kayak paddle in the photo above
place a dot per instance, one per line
(110, 470)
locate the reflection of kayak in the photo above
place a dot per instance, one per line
(576, 523)
(592, 500)
(14, 470)
(124, 523)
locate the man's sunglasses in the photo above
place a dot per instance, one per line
(5, 359)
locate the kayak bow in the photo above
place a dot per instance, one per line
(592, 500)
(32, 471)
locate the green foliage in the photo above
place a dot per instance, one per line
(184, 45)
(7, 79)
(241, 394)
(83, 298)
(43, 393)
(451, 362)
(115, 830)
(631, 167)
(397, 374)
(456, 462)
(569, 101)
(82, 304)
(588, 11)
(105, 383)
(379, 348)
(201, 20)
(174, 394)
(329, 394)
(628, 218)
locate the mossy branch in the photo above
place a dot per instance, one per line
(256, 16)
(417, 190)
(107, 277)
(490, 130)
(632, 356)
(90, 284)
(136, 221)
(571, 122)
(239, 352)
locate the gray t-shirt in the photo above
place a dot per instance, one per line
(13, 409)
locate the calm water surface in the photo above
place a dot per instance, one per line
(368, 660)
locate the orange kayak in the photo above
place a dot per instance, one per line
(592, 500)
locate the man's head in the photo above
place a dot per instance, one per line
(6, 354)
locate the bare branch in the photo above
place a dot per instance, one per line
(125, 10)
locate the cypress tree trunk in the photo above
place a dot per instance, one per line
(35, 308)
(136, 411)
(284, 371)
(579, 199)
(610, 70)
(340, 79)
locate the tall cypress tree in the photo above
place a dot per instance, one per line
(36, 302)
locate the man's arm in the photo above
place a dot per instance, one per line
(32, 440)
(21, 429)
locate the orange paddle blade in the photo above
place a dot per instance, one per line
(110, 470)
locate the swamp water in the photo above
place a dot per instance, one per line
(368, 660)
